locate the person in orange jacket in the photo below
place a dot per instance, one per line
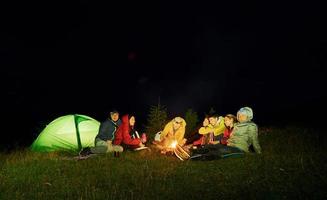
(172, 134)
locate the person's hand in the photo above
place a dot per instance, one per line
(214, 142)
(143, 138)
(205, 122)
(141, 144)
(170, 134)
(183, 142)
(110, 147)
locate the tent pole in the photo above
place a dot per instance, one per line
(77, 133)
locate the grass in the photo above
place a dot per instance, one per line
(292, 166)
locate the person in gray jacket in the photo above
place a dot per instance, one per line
(244, 134)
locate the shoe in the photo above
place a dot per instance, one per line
(196, 157)
(85, 151)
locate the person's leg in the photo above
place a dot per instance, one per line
(206, 139)
(221, 151)
(118, 148)
(101, 146)
(201, 150)
(218, 137)
(228, 151)
(198, 154)
(218, 151)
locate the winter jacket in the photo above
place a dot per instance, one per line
(170, 134)
(226, 136)
(108, 129)
(204, 130)
(217, 129)
(244, 135)
(123, 134)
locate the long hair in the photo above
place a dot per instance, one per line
(233, 117)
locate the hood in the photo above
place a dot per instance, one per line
(125, 122)
(247, 111)
(125, 119)
(179, 119)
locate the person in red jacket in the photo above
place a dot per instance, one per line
(127, 135)
(230, 120)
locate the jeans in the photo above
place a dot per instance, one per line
(102, 146)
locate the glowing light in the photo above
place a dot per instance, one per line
(173, 144)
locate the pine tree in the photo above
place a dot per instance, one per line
(191, 119)
(157, 119)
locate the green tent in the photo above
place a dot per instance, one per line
(67, 133)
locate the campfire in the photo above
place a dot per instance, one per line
(173, 144)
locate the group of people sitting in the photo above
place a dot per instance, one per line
(218, 137)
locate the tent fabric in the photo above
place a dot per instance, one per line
(62, 134)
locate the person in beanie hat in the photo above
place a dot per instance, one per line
(245, 132)
(246, 112)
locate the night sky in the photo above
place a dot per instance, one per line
(68, 57)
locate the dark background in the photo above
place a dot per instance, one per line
(68, 57)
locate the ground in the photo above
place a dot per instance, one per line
(292, 166)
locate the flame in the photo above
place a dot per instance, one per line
(173, 144)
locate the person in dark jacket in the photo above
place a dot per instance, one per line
(106, 134)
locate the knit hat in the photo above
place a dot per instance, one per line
(114, 112)
(246, 111)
